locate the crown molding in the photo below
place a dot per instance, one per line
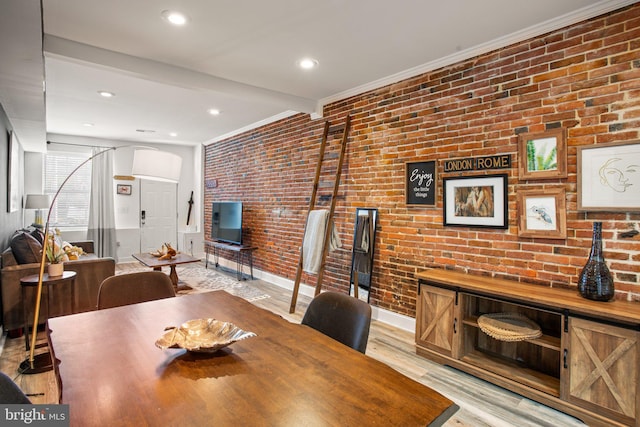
(554, 24)
(255, 125)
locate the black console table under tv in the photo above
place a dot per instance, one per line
(240, 250)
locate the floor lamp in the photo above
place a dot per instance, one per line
(147, 164)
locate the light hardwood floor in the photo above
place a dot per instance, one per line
(481, 403)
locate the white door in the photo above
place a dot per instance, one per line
(158, 215)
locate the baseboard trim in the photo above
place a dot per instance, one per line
(385, 316)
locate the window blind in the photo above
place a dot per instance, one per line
(71, 209)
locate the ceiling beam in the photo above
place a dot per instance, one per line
(160, 72)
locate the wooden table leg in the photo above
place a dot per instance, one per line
(173, 275)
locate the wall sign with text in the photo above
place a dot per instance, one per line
(501, 161)
(420, 183)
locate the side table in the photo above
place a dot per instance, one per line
(42, 362)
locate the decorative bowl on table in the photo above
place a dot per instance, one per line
(202, 335)
(165, 252)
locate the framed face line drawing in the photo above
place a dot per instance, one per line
(609, 177)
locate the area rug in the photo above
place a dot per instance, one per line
(202, 279)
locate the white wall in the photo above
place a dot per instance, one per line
(33, 181)
(127, 208)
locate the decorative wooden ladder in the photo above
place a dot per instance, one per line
(312, 203)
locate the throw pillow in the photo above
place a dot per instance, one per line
(38, 235)
(26, 249)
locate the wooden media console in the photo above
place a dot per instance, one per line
(586, 363)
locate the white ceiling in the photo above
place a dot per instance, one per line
(239, 56)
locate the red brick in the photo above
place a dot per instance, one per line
(602, 31)
(626, 57)
(602, 81)
(609, 118)
(607, 99)
(607, 51)
(626, 14)
(550, 75)
(528, 54)
(597, 91)
(578, 59)
(631, 75)
(584, 47)
(533, 70)
(618, 136)
(632, 114)
(621, 38)
(546, 59)
(472, 108)
(587, 66)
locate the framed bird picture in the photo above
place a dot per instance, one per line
(542, 213)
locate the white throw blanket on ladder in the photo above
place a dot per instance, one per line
(313, 242)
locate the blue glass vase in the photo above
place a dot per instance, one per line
(595, 281)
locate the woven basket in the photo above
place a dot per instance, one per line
(509, 326)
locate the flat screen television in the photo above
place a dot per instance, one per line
(226, 222)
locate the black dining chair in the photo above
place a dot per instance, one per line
(342, 317)
(10, 393)
(133, 288)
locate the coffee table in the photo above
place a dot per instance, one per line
(156, 263)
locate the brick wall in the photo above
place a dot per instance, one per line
(585, 78)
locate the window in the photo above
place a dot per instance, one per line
(71, 208)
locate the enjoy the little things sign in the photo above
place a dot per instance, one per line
(421, 183)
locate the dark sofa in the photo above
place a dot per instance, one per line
(90, 269)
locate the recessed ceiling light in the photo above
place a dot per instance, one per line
(89, 125)
(308, 63)
(175, 18)
(106, 94)
(173, 134)
(214, 111)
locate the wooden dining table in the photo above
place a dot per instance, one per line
(110, 372)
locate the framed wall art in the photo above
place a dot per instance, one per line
(609, 177)
(13, 177)
(476, 201)
(542, 155)
(542, 213)
(420, 183)
(124, 189)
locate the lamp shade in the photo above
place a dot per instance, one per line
(156, 165)
(37, 201)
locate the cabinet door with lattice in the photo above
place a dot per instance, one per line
(436, 319)
(602, 370)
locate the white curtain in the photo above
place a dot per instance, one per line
(102, 224)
